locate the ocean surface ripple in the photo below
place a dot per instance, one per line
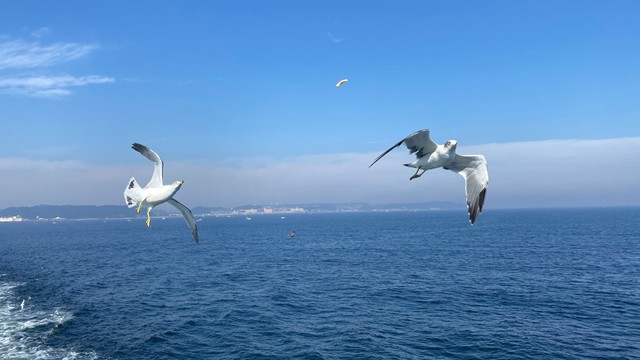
(520, 284)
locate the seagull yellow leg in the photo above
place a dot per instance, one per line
(148, 222)
(415, 176)
(138, 209)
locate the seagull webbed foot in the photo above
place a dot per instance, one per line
(148, 222)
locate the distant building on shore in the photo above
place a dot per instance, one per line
(11, 219)
(264, 211)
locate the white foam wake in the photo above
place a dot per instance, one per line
(22, 330)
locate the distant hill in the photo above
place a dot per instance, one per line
(121, 211)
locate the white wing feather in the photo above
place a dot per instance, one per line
(420, 143)
(132, 193)
(156, 178)
(474, 170)
(188, 217)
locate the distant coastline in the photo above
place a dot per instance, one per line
(121, 212)
(112, 212)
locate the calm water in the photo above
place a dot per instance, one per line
(561, 284)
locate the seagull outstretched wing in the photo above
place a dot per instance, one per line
(188, 216)
(419, 143)
(156, 178)
(474, 170)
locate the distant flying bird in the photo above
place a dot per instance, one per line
(22, 305)
(155, 193)
(341, 82)
(473, 168)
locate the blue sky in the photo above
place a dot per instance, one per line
(240, 98)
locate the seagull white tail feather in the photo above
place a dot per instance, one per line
(131, 193)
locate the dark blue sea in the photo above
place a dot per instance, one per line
(520, 284)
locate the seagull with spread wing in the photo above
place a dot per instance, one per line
(156, 193)
(429, 155)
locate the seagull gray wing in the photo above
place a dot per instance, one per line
(188, 216)
(474, 170)
(419, 143)
(156, 178)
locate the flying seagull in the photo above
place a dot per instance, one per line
(155, 193)
(341, 82)
(429, 155)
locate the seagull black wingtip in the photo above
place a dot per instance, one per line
(138, 147)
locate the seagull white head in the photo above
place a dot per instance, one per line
(451, 144)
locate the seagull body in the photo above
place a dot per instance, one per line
(156, 193)
(429, 155)
(341, 82)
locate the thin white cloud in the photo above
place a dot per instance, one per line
(55, 151)
(18, 54)
(16, 164)
(32, 56)
(49, 86)
(41, 32)
(32, 182)
(521, 174)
